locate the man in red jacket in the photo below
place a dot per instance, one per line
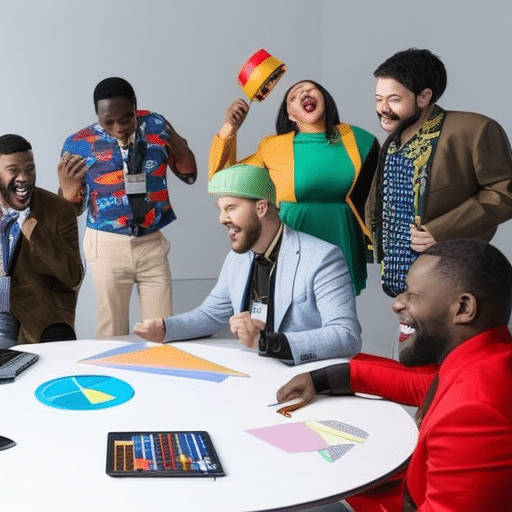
(456, 365)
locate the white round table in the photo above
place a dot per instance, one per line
(59, 461)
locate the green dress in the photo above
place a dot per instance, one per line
(323, 175)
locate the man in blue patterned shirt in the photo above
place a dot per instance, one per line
(117, 169)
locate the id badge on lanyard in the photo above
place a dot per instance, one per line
(135, 183)
(259, 311)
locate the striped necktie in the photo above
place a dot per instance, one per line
(10, 230)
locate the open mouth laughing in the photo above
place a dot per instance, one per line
(308, 104)
(23, 193)
(18, 196)
(406, 331)
(232, 232)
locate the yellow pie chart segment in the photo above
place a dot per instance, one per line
(96, 397)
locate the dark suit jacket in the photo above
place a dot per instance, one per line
(46, 268)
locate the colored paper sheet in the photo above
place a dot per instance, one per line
(332, 439)
(163, 360)
(174, 372)
(333, 453)
(290, 437)
(336, 432)
(129, 347)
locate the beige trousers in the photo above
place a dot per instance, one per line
(117, 262)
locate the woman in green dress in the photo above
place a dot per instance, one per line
(322, 169)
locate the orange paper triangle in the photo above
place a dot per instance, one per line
(164, 356)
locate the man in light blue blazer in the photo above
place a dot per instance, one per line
(286, 293)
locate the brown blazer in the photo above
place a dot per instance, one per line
(470, 181)
(46, 268)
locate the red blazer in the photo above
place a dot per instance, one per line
(463, 459)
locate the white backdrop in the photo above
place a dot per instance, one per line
(182, 58)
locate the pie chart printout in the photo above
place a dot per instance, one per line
(84, 392)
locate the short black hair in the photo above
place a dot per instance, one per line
(11, 143)
(332, 118)
(478, 268)
(417, 70)
(113, 86)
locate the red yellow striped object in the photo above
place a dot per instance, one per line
(260, 74)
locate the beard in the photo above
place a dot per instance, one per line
(409, 121)
(405, 124)
(428, 345)
(250, 234)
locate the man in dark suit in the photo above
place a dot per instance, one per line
(40, 261)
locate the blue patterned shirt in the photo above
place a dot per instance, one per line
(105, 194)
(397, 217)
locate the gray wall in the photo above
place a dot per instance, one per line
(182, 58)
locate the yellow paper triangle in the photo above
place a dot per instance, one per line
(333, 440)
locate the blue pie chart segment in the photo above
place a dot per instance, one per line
(84, 392)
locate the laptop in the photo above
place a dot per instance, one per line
(13, 362)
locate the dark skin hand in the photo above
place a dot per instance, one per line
(235, 116)
(71, 170)
(299, 388)
(182, 160)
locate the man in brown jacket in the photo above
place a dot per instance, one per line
(442, 174)
(40, 265)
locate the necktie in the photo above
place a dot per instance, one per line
(9, 232)
(9, 229)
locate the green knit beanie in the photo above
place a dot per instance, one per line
(243, 180)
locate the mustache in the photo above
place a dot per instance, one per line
(404, 124)
(391, 116)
